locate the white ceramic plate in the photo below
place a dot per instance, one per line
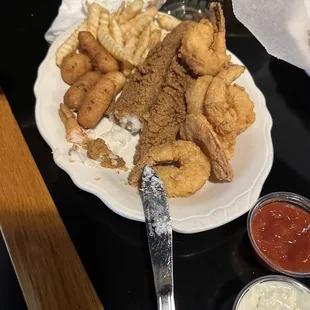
(214, 205)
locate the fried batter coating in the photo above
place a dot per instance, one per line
(75, 95)
(100, 57)
(118, 79)
(167, 113)
(204, 45)
(228, 139)
(228, 105)
(105, 61)
(231, 73)
(88, 44)
(195, 94)
(74, 133)
(198, 130)
(179, 181)
(74, 66)
(218, 22)
(98, 150)
(241, 105)
(142, 90)
(96, 102)
(200, 92)
(215, 103)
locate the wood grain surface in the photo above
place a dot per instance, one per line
(49, 270)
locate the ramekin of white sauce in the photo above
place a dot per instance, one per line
(273, 293)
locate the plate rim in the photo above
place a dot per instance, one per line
(251, 193)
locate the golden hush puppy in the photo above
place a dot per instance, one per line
(74, 66)
(96, 102)
(75, 95)
(101, 58)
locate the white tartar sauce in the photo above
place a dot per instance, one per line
(275, 295)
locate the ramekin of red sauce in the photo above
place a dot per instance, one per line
(279, 230)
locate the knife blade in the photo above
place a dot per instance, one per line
(159, 233)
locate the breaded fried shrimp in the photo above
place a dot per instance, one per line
(179, 181)
(74, 133)
(204, 46)
(195, 94)
(196, 128)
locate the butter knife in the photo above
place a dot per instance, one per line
(159, 232)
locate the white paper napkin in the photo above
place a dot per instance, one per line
(72, 11)
(282, 27)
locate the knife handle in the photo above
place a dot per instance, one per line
(162, 263)
(166, 302)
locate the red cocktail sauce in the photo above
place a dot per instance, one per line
(282, 233)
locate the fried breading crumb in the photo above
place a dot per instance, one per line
(98, 150)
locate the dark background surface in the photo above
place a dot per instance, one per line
(210, 267)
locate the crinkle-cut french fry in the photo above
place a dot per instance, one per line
(127, 26)
(167, 22)
(152, 11)
(131, 11)
(111, 17)
(130, 23)
(120, 11)
(153, 26)
(104, 18)
(142, 46)
(70, 45)
(93, 18)
(146, 52)
(131, 45)
(155, 37)
(130, 48)
(116, 33)
(111, 46)
(103, 28)
(137, 29)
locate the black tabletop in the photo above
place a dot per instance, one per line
(210, 267)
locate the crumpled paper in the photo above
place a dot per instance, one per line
(72, 11)
(282, 27)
